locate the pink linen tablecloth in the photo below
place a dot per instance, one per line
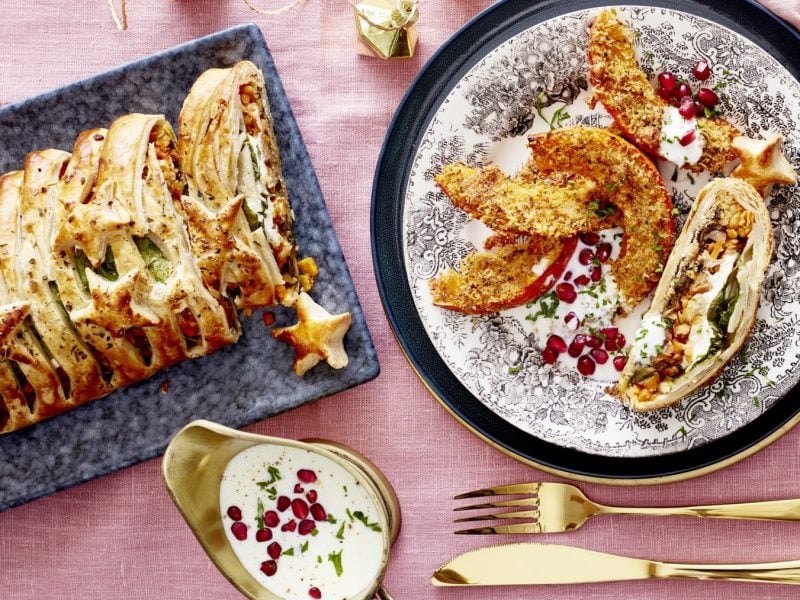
(120, 536)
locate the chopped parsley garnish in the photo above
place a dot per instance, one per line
(559, 116)
(268, 486)
(289, 552)
(514, 370)
(336, 559)
(260, 514)
(330, 519)
(605, 209)
(547, 307)
(304, 547)
(340, 533)
(360, 516)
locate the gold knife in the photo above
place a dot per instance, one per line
(528, 564)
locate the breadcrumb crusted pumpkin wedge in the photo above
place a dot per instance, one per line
(505, 276)
(626, 179)
(508, 206)
(626, 93)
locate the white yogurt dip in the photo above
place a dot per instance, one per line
(300, 523)
(674, 128)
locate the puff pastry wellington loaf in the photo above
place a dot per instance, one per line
(134, 251)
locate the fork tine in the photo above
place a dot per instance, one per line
(515, 528)
(530, 501)
(522, 514)
(514, 488)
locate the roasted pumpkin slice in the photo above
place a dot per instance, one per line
(505, 276)
(626, 93)
(625, 179)
(506, 206)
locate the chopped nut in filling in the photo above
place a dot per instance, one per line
(695, 324)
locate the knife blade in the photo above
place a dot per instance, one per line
(529, 563)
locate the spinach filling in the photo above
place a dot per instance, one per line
(107, 269)
(154, 259)
(720, 312)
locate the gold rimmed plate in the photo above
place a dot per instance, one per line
(503, 76)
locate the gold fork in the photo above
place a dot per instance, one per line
(556, 507)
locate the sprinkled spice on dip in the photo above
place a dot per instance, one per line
(301, 524)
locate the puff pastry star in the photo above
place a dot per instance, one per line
(115, 305)
(317, 335)
(84, 225)
(763, 163)
(216, 250)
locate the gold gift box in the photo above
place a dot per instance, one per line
(386, 29)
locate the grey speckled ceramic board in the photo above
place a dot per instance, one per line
(236, 385)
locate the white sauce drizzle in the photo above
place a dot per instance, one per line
(673, 127)
(595, 307)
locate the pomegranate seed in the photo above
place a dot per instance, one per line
(701, 70)
(596, 274)
(699, 109)
(312, 496)
(611, 342)
(572, 320)
(306, 527)
(271, 518)
(318, 512)
(582, 280)
(269, 568)
(577, 345)
(585, 366)
(585, 256)
(619, 362)
(567, 275)
(290, 525)
(549, 356)
(667, 81)
(566, 293)
(683, 90)
(263, 535)
(687, 138)
(667, 95)
(283, 503)
(298, 489)
(235, 513)
(590, 239)
(557, 343)
(707, 97)
(239, 530)
(609, 332)
(299, 508)
(315, 593)
(274, 550)
(594, 341)
(306, 476)
(604, 252)
(688, 108)
(599, 355)
(621, 341)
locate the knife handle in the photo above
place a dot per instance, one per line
(787, 572)
(772, 510)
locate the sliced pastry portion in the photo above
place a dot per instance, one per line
(706, 302)
(237, 205)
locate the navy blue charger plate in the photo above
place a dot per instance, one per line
(235, 386)
(442, 72)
